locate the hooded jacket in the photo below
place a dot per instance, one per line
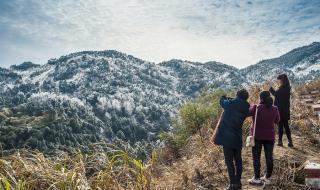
(229, 132)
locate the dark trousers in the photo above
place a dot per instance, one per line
(284, 124)
(256, 155)
(233, 160)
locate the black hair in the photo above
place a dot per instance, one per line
(243, 94)
(284, 79)
(265, 97)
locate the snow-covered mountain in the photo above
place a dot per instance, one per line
(301, 64)
(89, 96)
(105, 95)
(193, 76)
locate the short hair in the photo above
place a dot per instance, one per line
(243, 94)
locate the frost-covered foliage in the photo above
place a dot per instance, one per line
(301, 64)
(94, 96)
(87, 97)
(192, 77)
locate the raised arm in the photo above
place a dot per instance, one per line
(273, 92)
(225, 102)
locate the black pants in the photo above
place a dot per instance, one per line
(256, 155)
(284, 124)
(233, 160)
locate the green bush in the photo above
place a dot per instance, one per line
(192, 116)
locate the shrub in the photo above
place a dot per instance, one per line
(192, 116)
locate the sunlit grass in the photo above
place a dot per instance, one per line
(112, 169)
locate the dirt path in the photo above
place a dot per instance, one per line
(199, 167)
(303, 150)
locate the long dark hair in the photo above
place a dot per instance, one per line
(284, 79)
(265, 98)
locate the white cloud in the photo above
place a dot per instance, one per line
(239, 33)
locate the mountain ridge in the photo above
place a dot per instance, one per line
(119, 53)
(94, 96)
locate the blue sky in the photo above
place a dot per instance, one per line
(239, 33)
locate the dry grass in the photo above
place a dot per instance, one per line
(111, 169)
(201, 165)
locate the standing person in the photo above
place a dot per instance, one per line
(264, 135)
(282, 101)
(229, 134)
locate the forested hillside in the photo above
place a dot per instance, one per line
(108, 96)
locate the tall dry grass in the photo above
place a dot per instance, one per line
(111, 169)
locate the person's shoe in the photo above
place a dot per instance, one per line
(254, 181)
(280, 143)
(233, 187)
(228, 188)
(290, 144)
(265, 180)
(238, 186)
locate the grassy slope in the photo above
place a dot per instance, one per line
(202, 165)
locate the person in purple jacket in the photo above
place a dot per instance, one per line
(267, 117)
